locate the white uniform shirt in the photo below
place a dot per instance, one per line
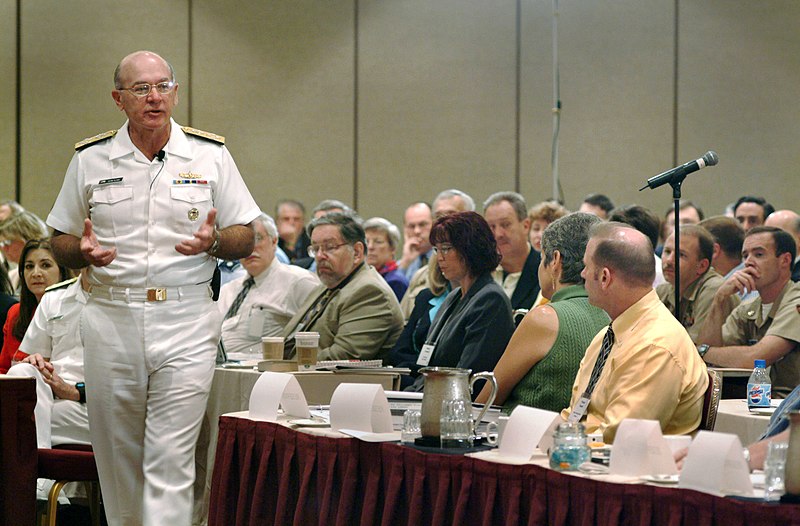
(277, 295)
(54, 331)
(144, 208)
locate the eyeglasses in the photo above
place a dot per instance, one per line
(5, 243)
(443, 249)
(143, 90)
(259, 238)
(313, 250)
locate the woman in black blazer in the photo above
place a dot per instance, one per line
(473, 326)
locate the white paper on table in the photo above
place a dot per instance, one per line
(640, 449)
(360, 407)
(526, 428)
(273, 390)
(393, 436)
(715, 464)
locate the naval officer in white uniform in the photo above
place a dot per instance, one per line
(149, 207)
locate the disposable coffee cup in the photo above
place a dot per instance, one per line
(306, 344)
(272, 347)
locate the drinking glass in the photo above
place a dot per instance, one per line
(411, 426)
(455, 423)
(774, 470)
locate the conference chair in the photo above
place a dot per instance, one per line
(711, 401)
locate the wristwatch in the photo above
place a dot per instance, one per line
(703, 349)
(212, 250)
(81, 387)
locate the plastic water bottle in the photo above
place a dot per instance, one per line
(759, 387)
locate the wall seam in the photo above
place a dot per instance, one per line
(518, 100)
(355, 103)
(18, 109)
(675, 84)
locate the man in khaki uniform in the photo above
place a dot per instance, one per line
(766, 328)
(699, 281)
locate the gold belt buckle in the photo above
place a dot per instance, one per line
(156, 294)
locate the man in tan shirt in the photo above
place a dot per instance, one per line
(652, 370)
(766, 328)
(699, 281)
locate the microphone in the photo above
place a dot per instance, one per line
(161, 153)
(679, 172)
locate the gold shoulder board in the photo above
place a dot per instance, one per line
(94, 140)
(213, 137)
(62, 284)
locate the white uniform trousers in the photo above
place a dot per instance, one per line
(149, 368)
(57, 421)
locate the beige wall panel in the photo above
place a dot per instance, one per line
(276, 78)
(8, 95)
(616, 61)
(436, 93)
(69, 52)
(739, 77)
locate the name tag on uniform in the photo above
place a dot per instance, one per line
(255, 326)
(580, 409)
(425, 354)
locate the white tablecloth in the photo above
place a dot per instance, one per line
(734, 417)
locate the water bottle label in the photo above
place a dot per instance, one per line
(759, 395)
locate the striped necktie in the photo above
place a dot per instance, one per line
(249, 282)
(608, 343)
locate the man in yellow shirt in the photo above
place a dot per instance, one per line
(644, 365)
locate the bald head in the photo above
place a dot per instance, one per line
(626, 251)
(139, 57)
(787, 220)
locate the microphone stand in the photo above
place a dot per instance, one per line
(676, 183)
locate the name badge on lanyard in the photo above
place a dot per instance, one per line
(425, 354)
(580, 409)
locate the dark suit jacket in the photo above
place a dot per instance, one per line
(474, 330)
(406, 351)
(528, 284)
(796, 271)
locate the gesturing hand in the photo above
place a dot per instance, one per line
(202, 239)
(91, 250)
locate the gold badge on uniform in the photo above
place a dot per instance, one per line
(194, 213)
(189, 175)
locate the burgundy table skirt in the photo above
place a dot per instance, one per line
(265, 474)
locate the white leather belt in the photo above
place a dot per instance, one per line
(135, 294)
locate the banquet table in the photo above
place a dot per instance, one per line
(267, 473)
(734, 417)
(230, 391)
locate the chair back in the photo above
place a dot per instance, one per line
(711, 401)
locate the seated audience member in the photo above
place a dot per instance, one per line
(539, 365)
(507, 216)
(7, 298)
(405, 352)
(263, 301)
(767, 327)
(229, 270)
(597, 204)
(728, 237)
(8, 207)
(324, 207)
(354, 310)
(290, 220)
(646, 222)
(474, 324)
(644, 365)
(39, 270)
(382, 240)
(417, 250)
(690, 214)
(699, 281)
(540, 215)
(15, 231)
(54, 358)
(447, 202)
(751, 211)
(790, 221)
